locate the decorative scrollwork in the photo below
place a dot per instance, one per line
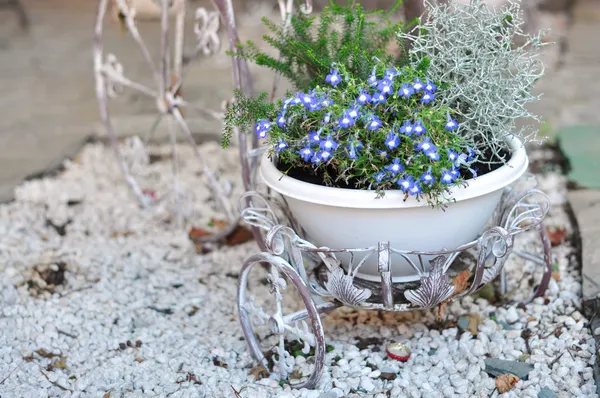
(341, 286)
(434, 288)
(113, 72)
(306, 7)
(206, 29)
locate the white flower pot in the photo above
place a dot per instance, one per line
(347, 218)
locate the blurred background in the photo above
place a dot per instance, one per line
(48, 108)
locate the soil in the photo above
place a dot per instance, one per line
(309, 175)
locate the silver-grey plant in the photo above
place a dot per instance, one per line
(472, 49)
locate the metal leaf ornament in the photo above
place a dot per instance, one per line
(434, 288)
(341, 286)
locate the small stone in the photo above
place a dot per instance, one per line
(374, 374)
(512, 315)
(505, 325)
(497, 367)
(597, 332)
(366, 384)
(328, 394)
(546, 393)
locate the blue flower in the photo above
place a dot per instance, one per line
(433, 155)
(306, 153)
(427, 178)
(295, 100)
(353, 112)
(452, 156)
(378, 98)
(473, 172)
(325, 102)
(391, 73)
(415, 189)
(406, 90)
(324, 155)
(314, 106)
(281, 145)
(392, 141)
(363, 97)
(327, 118)
(329, 144)
(451, 124)
(374, 123)
(333, 78)
(426, 145)
(454, 173)
(406, 183)
(427, 97)
(262, 128)
(306, 99)
(418, 85)
(353, 148)
(281, 120)
(385, 86)
(447, 177)
(314, 137)
(395, 167)
(430, 87)
(372, 80)
(419, 129)
(379, 176)
(346, 121)
(407, 128)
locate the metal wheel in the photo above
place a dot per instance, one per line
(277, 340)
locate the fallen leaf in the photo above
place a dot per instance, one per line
(218, 362)
(296, 374)
(46, 354)
(556, 275)
(259, 372)
(60, 363)
(531, 319)
(219, 224)
(28, 358)
(107, 395)
(461, 282)
(238, 236)
(556, 235)
(139, 360)
(506, 382)
(196, 233)
(470, 322)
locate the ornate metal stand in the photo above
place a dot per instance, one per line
(323, 285)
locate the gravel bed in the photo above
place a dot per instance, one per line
(135, 312)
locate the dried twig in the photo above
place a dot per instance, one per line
(55, 383)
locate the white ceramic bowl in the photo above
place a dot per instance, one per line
(348, 218)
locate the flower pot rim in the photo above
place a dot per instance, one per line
(393, 199)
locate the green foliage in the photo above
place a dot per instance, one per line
(471, 48)
(361, 156)
(243, 113)
(346, 35)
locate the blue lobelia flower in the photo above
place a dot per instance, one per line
(281, 145)
(363, 97)
(392, 140)
(474, 172)
(407, 128)
(374, 123)
(306, 99)
(452, 156)
(306, 153)
(328, 144)
(333, 77)
(281, 120)
(395, 167)
(353, 112)
(427, 178)
(433, 155)
(419, 129)
(430, 87)
(451, 124)
(262, 128)
(447, 177)
(415, 189)
(325, 102)
(295, 100)
(418, 85)
(378, 98)
(353, 147)
(346, 121)
(314, 137)
(314, 106)
(324, 155)
(454, 173)
(385, 86)
(391, 73)
(382, 154)
(426, 145)
(379, 176)
(406, 183)
(427, 97)
(372, 80)
(406, 90)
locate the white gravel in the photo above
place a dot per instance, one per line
(120, 260)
